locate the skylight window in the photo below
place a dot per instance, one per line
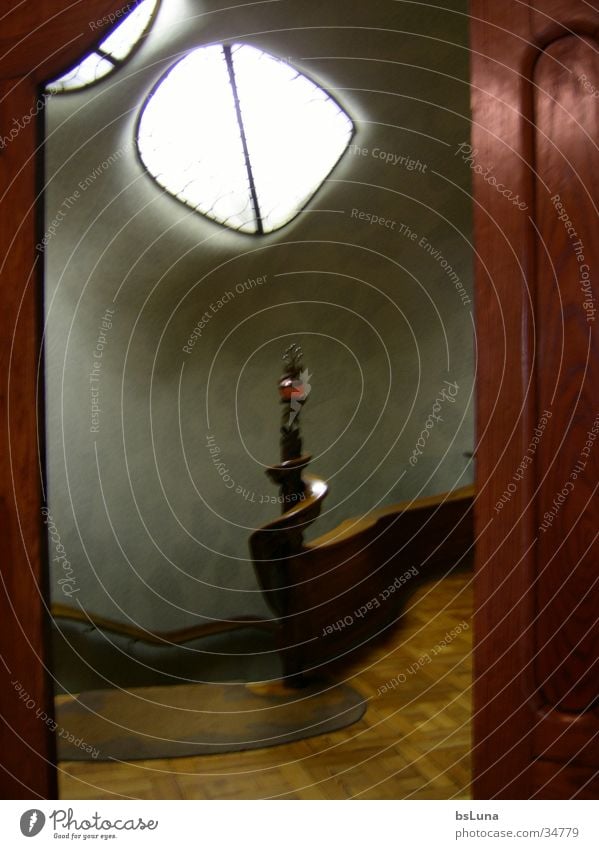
(241, 136)
(111, 52)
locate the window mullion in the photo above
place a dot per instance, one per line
(229, 60)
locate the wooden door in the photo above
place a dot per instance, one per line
(37, 41)
(535, 97)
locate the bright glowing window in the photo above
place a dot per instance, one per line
(241, 136)
(111, 52)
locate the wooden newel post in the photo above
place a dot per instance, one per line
(294, 388)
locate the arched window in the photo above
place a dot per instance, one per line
(111, 52)
(241, 136)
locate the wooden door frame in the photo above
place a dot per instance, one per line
(518, 740)
(38, 41)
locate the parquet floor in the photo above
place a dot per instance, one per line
(413, 742)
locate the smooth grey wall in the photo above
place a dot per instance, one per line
(151, 533)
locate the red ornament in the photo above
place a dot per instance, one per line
(286, 389)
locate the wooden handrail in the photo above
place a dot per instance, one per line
(353, 526)
(346, 587)
(162, 638)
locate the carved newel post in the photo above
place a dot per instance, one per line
(294, 388)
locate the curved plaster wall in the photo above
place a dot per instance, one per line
(373, 279)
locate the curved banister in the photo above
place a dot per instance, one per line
(342, 589)
(273, 544)
(356, 574)
(350, 527)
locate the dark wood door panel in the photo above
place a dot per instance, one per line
(38, 40)
(566, 117)
(552, 19)
(554, 780)
(563, 737)
(535, 81)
